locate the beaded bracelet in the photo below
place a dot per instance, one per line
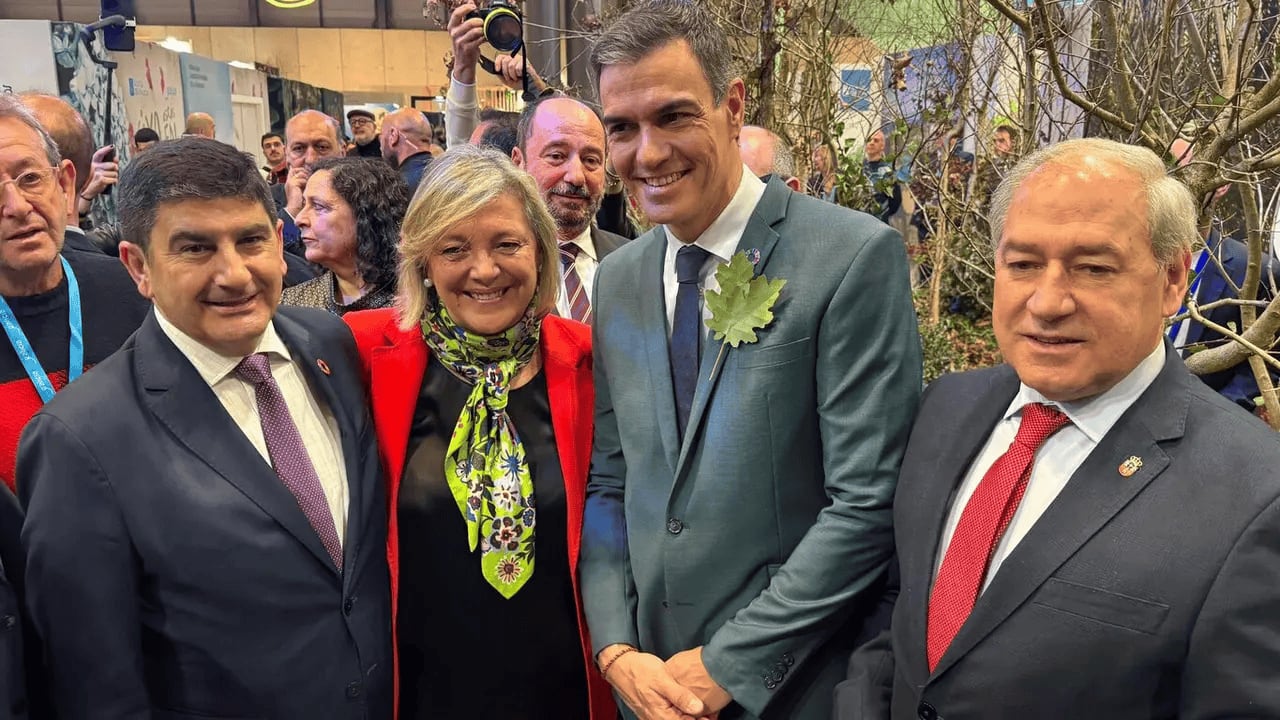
(604, 669)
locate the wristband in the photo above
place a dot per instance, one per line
(604, 669)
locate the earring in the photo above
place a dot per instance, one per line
(427, 282)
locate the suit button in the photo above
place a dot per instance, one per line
(9, 622)
(926, 712)
(770, 685)
(346, 606)
(353, 690)
(788, 659)
(674, 526)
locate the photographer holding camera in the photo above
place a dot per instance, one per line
(467, 30)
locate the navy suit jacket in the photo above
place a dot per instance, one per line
(1147, 594)
(170, 574)
(1236, 384)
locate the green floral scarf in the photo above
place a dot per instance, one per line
(486, 466)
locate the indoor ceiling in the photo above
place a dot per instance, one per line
(400, 14)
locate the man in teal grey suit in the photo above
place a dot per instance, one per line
(739, 506)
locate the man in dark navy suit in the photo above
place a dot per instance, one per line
(206, 525)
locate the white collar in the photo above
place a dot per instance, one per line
(585, 243)
(213, 366)
(721, 238)
(1096, 415)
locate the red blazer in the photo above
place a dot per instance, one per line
(394, 362)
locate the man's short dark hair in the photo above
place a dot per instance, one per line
(269, 135)
(144, 135)
(500, 133)
(525, 125)
(650, 24)
(490, 114)
(189, 168)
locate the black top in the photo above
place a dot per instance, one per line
(465, 651)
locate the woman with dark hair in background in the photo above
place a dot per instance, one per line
(350, 225)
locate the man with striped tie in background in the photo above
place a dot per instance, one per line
(560, 142)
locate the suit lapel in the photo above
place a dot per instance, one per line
(759, 235)
(1093, 495)
(653, 318)
(396, 373)
(925, 513)
(570, 416)
(187, 406)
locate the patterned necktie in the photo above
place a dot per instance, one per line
(579, 303)
(288, 455)
(982, 524)
(686, 330)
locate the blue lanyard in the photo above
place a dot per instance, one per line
(1198, 270)
(27, 355)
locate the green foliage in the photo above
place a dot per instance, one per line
(744, 303)
(955, 343)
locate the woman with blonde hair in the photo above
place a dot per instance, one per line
(482, 403)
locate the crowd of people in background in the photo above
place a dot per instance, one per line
(384, 429)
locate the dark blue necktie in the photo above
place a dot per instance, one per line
(686, 330)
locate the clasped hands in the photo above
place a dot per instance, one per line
(678, 689)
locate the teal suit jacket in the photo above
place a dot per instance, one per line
(756, 535)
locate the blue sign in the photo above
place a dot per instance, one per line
(206, 88)
(855, 88)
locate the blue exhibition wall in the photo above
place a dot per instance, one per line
(206, 87)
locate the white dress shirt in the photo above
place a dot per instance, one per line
(316, 424)
(586, 264)
(720, 239)
(1056, 460)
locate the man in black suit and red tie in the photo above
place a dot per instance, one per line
(1088, 530)
(560, 142)
(206, 521)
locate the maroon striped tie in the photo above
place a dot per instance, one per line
(288, 454)
(579, 303)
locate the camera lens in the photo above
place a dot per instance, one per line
(502, 30)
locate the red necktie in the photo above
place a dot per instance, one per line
(579, 303)
(982, 523)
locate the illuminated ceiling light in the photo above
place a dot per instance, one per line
(290, 4)
(244, 65)
(176, 45)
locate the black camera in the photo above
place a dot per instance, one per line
(503, 25)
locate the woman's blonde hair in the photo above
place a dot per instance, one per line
(459, 185)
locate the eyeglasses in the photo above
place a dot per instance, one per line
(33, 183)
(360, 121)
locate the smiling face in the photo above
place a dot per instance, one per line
(215, 268)
(32, 219)
(1080, 299)
(485, 267)
(565, 155)
(674, 147)
(327, 224)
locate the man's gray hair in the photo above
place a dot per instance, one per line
(12, 107)
(650, 24)
(784, 161)
(1171, 210)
